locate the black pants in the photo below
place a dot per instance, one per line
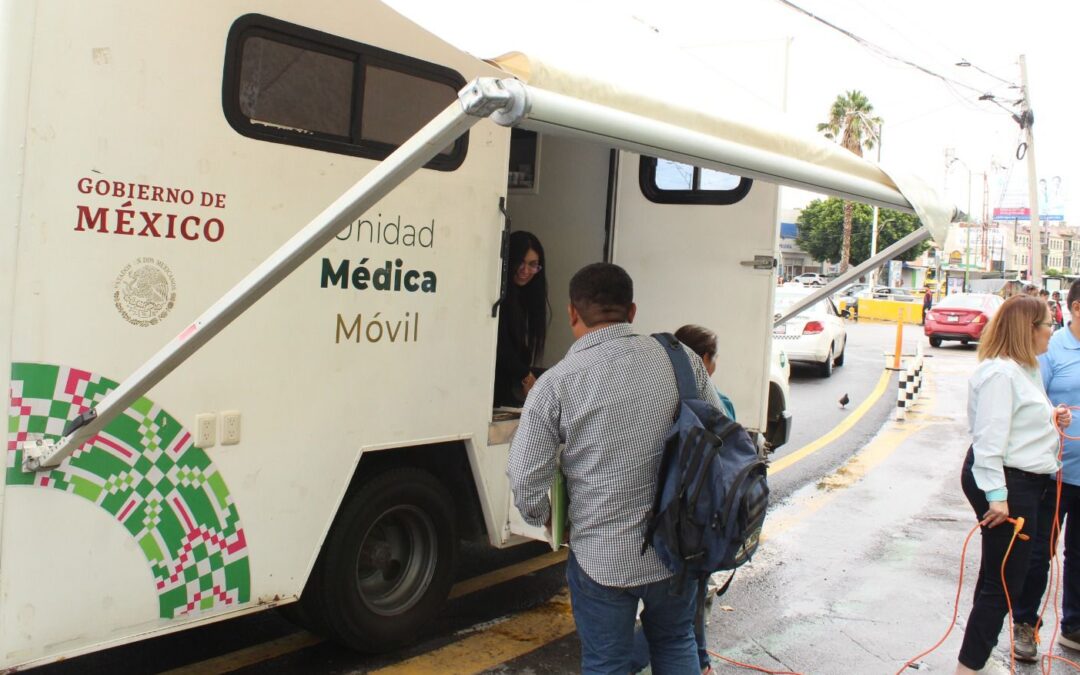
(989, 608)
(1026, 610)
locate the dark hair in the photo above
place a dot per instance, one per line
(698, 338)
(1074, 293)
(1044, 292)
(532, 298)
(602, 293)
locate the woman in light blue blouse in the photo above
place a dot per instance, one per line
(1013, 451)
(1060, 368)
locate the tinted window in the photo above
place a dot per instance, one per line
(294, 88)
(289, 84)
(667, 182)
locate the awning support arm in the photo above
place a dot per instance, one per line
(914, 239)
(505, 101)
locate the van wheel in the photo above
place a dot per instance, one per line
(388, 562)
(827, 367)
(935, 342)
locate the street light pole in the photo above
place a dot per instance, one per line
(967, 225)
(874, 223)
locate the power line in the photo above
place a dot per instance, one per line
(945, 47)
(889, 55)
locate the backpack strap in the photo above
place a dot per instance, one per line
(680, 363)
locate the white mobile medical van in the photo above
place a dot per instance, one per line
(181, 451)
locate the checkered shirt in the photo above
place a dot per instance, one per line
(611, 401)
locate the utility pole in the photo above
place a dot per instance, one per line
(1027, 120)
(874, 223)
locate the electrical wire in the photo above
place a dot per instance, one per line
(1055, 574)
(950, 82)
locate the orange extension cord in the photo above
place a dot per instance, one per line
(1054, 581)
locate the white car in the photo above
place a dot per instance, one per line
(778, 425)
(816, 335)
(810, 279)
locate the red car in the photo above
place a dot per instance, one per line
(960, 316)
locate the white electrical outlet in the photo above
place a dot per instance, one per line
(206, 430)
(230, 427)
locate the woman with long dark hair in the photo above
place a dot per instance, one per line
(1013, 453)
(523, 320)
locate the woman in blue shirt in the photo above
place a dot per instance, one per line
(1060, 368)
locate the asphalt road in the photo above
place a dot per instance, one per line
(267, 642)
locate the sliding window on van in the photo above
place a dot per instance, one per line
(289, 84)
(666, 182)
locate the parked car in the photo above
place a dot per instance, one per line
(960, 316)
(778, 424)
(847, 300)
(891, 293)
(815, 335)
(810, 279)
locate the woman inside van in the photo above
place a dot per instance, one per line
(1013, 452)
(523, 320)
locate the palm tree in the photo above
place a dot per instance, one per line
(851, 124)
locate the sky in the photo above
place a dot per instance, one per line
(763, 55)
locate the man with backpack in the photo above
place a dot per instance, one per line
(611, 401)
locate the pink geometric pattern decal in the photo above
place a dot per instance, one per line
(145, 471)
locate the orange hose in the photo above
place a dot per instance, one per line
(1055, 576)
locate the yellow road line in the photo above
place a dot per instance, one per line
(508, 573)
(857, 467)
(517, 636)
(837, 431)
(530, 630)
(854, 469)
(243, 658)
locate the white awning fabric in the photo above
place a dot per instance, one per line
(696, 126)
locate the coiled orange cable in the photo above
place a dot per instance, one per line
(1055, 576)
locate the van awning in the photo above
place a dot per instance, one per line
(652, 123)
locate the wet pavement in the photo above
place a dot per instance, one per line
(859, 571)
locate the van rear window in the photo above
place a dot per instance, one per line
(667, 182)
(284, 83)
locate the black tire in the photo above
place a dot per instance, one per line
(826, 368)
(840, 359)
(388, 563)
(935, 342)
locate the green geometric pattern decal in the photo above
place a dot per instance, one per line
(144, 470)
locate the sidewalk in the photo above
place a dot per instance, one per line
(858, 573)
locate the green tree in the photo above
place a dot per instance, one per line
(851, 124)
(821, 230)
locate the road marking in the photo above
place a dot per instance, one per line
(873, 454)
(243, 658)
(532, 629)
(505, 574)
(294, 642)
(839, 430)
(518, 635)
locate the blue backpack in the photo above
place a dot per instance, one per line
(712, 492)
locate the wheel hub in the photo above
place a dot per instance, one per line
(397, 560)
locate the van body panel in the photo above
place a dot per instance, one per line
(317, 371)
(698, 250)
